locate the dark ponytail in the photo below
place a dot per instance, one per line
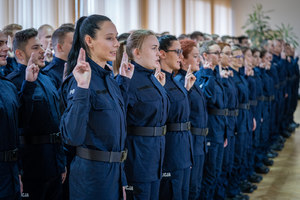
(84, 26)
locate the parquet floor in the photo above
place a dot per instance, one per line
(283, 180)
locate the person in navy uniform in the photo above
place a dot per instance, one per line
(42, 158)
(190, 63)
(62, 39)
(234, 191)
(9, 104)
(95, 117)
(248, 167)
(178, 151)
(147, 113)
(211, 85)
(232, 94)
(45, 32)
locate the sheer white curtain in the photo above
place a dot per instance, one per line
(33, 13)
(123, 13)
(165, 15)
(198, 16)
(223, 17)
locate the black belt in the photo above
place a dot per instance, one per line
(245, 106)
(277, 86)
(102, 156)
(270, 98)
(9, 156)
(233, 113)
(214, 111)
(53, 138)
(261, 98)
(199, 131)
(253, 102)
(179, 126)
(147, 131)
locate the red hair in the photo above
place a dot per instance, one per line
(187, 46)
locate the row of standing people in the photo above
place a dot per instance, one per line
(174, 130)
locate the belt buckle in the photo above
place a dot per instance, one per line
(188, 126)
(124, 155)
(226, 112)
(55, 138)
(164, 130)
(248, 106)
(206, 132)
(11, 155)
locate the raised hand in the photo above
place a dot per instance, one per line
(160, 76)
(48, 53)
(189, 79)
(126, 68)
(82, 71)
(208, 65)
(32, 70)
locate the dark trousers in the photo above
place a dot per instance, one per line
(212, 169)
(228, 160)
(143, 191)
(236, 173)
(12, 197)
(175, 186)
(42, 190)
(196, 177)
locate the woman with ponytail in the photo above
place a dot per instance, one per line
(147, 113)
(95, 119)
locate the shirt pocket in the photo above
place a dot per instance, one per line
(101, 100)
(147, 94)
(175, 95)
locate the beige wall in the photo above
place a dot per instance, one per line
(284, 11)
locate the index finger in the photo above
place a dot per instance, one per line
(125, 58)
(189, 69)
(81, 56)
(30, 61)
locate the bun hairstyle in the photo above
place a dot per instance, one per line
(84, 26)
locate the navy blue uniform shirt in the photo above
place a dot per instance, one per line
(148, 107)
(9, 104)
(39, 115)
(198, 114)
(178, 151)
(214, 91)
(243, 96)
(55, 70)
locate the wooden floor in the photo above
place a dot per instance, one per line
(283, 180)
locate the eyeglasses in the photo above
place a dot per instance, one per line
(177, 51)
(227, 53)
(239, 56)
(216, 53)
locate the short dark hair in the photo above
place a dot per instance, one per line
(241, 38)
(60, 34)
(195, 34)
(22, 37)
(123, 37)
(68, 25)
(165, 42)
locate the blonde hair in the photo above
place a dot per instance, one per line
(134, 41)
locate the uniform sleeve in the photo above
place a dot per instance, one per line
(124, 83)
(207, 83)
(26, 107)
(75, 118)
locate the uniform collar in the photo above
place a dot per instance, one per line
(168, 74)
(140, 68)
(98, 69)
(21, 67)
(182, 72)
(58, 60)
